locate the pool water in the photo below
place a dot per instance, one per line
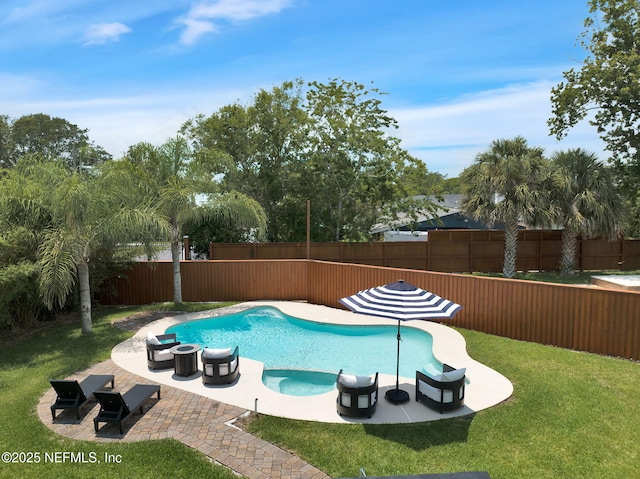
(286, 343)
(299, 382)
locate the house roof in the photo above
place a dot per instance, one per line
(447, 205)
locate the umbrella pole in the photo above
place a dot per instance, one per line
(397, 395)
(398, 361)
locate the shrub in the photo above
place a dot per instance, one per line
(20, 305)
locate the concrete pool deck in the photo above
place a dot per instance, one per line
(486, 387)
(622, 282)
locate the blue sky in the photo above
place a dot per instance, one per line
(458, 73)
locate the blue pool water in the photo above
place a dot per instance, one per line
(299, 382)
(283, 342)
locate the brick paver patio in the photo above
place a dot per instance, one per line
(199, 422)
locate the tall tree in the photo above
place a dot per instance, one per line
(183, 186)
(86, 212)
(508, 183)
(356, 168)
(54, 138)
(327, 143)
(587, 201)
(608, 84)
(264, 141)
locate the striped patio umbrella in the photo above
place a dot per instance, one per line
(401, 301)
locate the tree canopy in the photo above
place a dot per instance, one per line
(606, 91)
(324, 142)
(48, 137)
(586, 199)
(183, 187)
(510, 183)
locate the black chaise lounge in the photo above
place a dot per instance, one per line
(73, 394)
(116, 407)
(444, 392)
(220, 366)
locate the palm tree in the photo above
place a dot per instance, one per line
(587, 200)
(506, 184)
(184, 187)
(86, 213)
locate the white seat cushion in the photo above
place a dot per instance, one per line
(353, 381)
(454, 375)
(152, 339)
(162, 355)
(435, 393)
(212, 353)
(224, 369)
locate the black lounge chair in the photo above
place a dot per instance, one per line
(219, 366)
(73, 394)
(116, 407)
(158, 355)
(444, 392)
(357, 396)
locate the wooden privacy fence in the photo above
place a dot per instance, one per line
(575, 317)
(449, 251)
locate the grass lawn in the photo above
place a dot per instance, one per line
(57, 350)
(572, 415)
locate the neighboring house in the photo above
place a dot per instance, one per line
(448, 217)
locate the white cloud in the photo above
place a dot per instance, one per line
(203, 16)
(448, 136)
(101, 33)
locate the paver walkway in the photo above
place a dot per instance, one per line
(201, 423)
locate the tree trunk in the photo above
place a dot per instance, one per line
(569, 250)
(177, 282)
(510, 249)
(336, 237)
(85, 296)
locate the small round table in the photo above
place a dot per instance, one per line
(185, 359)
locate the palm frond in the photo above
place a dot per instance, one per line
(59, 256)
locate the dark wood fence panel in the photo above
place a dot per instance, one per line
(631, 255)
(453, 251)
(575, 317)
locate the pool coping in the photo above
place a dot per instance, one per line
(486, 387)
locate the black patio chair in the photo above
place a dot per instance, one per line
(357, 396)
(220, 366)
(158, 355)
(72, 394)
(444, 392)
(116, 407)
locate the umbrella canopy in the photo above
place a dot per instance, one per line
(401, 301)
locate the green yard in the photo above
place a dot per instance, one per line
(572, 415)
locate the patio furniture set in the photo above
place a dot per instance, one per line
(357, 395)
(219, 366)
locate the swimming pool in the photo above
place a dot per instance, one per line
(285, 343)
